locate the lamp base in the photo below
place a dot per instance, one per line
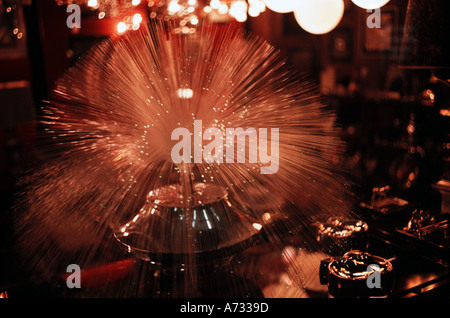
(173, 225)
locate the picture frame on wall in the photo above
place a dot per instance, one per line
(12, 33)
(380, 32)
(303, 60)
(341, 45)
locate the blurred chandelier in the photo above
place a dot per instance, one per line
(314, 16)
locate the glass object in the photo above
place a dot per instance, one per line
(168, 224)
(338, 234)
(282, 6)
(370, 4)
(350, 275)
(319, 16)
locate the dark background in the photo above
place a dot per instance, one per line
(395, 134)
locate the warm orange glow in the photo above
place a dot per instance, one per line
(173, 7)
(257, 5)
(93, 3)
(266, 217)
(370, 4)
(194, 20)
(319, 16)
(445, 112)
(253, 12)
(185, 93)
(137, 18)
(282, 6)
(238, 10)
(241, 17)
(215, 4)
(223, 8)
(121, 27)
